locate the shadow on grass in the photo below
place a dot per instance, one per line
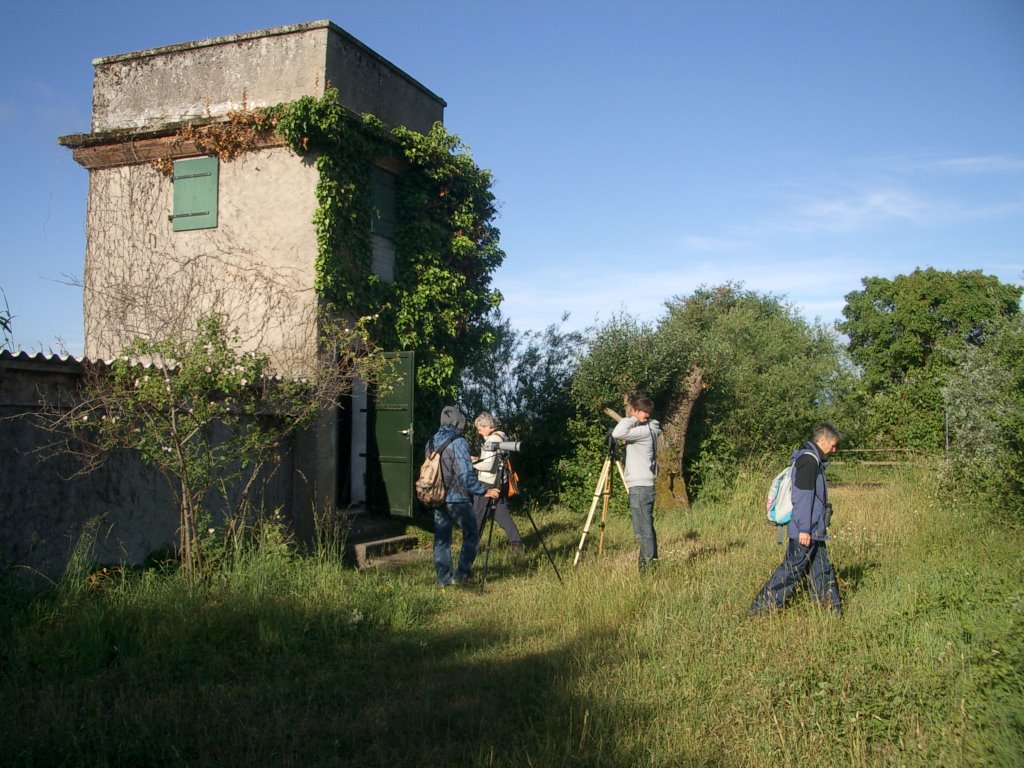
(850, 576)
(704, 551)
(280, 683)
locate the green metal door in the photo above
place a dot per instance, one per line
(390, 465)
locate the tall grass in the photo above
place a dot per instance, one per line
(297, 661)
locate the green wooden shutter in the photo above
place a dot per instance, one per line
(195, 194)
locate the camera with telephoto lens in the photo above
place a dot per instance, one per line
(828, 514)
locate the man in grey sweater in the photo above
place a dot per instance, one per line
(640, 434)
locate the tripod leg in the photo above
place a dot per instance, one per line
(622, 475)
(604, 513)
(598, 492)
(488, 516)
(544, 546)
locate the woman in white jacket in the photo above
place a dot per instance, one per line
(486, 471)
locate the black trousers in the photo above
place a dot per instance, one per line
(501, 516)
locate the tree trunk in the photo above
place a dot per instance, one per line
(673, 436)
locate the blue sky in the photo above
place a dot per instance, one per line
(640, 149)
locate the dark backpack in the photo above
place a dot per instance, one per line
(430, 488)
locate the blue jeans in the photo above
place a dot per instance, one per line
(811, 562)
(445, 519)
(641, 508)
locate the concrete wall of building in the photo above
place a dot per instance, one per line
(46, 503)
(368, 83)
(210, 78)
(256, 267)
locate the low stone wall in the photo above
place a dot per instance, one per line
(46, 503)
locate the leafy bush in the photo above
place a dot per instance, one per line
(209, 417)
(984, 400)
(907, 334)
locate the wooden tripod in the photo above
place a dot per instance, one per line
(603, 492)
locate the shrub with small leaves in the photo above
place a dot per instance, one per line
(209, 417)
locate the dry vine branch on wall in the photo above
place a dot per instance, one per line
(229, 140)
(244, 131)
(137, 285)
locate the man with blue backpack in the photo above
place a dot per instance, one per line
(807, 554)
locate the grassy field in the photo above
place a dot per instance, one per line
(299, 662)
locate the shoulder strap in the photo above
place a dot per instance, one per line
(443, 445)
(810, 453)
(654, 450)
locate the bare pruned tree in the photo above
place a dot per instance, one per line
(144, 281)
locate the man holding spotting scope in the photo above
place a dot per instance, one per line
(640, 434)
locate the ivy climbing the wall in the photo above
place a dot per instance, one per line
(446, 243)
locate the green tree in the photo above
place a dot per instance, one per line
(984, 400)
(896, 326)
(905, 334)
(524, 378)
(733, 373)
(767, 377)
(618, 360)
(622, 359)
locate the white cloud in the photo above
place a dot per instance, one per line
(996, 211)
(861, 211)
(980, 164)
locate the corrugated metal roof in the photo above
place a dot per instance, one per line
(61, 362)
(39, 357)
(41, 360)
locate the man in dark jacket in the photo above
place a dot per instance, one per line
(460, 482)
(807, 554)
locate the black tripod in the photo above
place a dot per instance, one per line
(501, 473)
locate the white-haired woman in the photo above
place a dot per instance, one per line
(486, 471)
